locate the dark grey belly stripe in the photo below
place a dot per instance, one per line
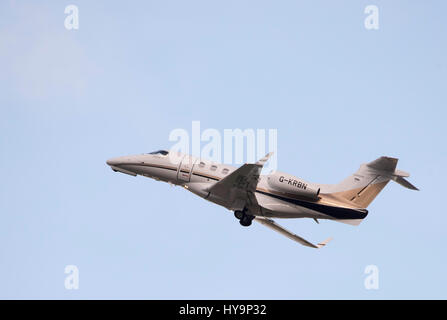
(335, 212)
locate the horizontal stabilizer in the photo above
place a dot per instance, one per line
(401, 173)
(399, 177)
(274, 226)
(386, 166)
(404, 182)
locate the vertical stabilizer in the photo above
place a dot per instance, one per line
(363, 186)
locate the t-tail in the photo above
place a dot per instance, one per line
(361, 188)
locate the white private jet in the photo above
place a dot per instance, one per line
(277, 195)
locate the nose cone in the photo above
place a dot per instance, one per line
(119, 161)
(114, 161)
(121, 164)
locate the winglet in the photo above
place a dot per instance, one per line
(325, 242)
(262, 161)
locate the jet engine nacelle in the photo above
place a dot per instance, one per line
(287, 183)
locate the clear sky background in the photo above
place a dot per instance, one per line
(338, 94)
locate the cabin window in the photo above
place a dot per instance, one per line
(225, 170)
(213, 168)
(201, 164)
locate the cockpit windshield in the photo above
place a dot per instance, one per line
(162, 152)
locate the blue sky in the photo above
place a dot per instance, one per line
(338, 94)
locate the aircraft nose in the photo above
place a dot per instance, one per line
(113, 161)
(121, 164)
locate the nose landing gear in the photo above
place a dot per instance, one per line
(244, 218)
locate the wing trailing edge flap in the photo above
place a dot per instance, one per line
(276, 227)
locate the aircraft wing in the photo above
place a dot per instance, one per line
(235, 187)
(274, 226)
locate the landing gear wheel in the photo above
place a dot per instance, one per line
(246, 221)
(239, 214)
